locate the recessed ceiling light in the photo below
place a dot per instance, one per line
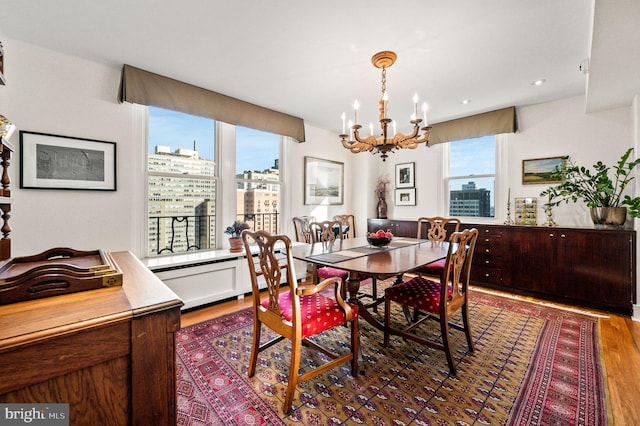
(465, 101)
(539, 82)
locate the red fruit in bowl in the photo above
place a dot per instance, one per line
(388, 235)
(380, 233)
(373, 235)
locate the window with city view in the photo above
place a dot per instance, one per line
(181, 182)
(472, 176)
(258, 179)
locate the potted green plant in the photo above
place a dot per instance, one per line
(599, 188)
(235, 230)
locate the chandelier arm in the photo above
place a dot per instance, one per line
(356, 145)
(414, 142)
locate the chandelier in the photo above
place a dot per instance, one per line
(387, 142)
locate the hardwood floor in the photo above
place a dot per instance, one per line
(620, 346)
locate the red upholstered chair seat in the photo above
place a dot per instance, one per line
(318, 312)
(433, 269)
(418, 293)
(329, 272)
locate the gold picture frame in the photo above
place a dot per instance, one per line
(538, 171)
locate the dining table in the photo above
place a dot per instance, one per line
(360, 258)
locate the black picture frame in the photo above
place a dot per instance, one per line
(64, 162)
(405, 197)
(405, 175)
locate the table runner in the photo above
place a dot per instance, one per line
(352, 253)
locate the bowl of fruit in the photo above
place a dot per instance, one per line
(380, 238)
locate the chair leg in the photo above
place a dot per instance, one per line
(374, 293)
(296, 348)
(467, 328)
(444, 328)
(355, 346)
(387, 321)
(255, 347)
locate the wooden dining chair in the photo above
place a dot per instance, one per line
(435, 229)
(301, 228)
(294, 312)
(327, 232)
(439, 299)
(348, 222)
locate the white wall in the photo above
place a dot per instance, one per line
(53, 93)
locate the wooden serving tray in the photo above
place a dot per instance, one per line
(54, 272)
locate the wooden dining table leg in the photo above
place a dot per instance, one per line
(353, 285)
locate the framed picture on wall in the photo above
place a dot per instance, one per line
(543, 170)
(405, 197)
(405, 175)
(323, 181)
(65, 162)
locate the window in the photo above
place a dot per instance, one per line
(181, 177)
(258, 179)
(472, 176)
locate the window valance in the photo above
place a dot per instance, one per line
(475, 126)
(146, 88)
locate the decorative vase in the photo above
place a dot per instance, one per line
(382, 208)
(609, 216)
(235, 245)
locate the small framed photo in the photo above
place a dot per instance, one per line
(406, 197)
(543, 170)
(405, 175)
(64, 162)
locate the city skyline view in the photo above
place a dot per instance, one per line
(255, 150)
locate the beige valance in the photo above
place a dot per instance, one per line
(146, 88)
(475, 126)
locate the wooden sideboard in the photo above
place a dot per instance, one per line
(594, 268)
(108, 353)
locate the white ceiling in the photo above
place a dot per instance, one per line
(312, 59)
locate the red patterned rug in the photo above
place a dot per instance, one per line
(533, 365)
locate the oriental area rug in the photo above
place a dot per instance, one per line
(532, 365)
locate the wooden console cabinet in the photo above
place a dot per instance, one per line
(594, 268)
(108, 353)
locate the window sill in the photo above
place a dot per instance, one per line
(182, 260)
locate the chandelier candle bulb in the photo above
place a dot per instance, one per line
(425, 107)
(356, 106)
(371, 128)
(344, 129)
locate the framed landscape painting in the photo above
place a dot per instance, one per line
(543, 170)
(323, 181)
